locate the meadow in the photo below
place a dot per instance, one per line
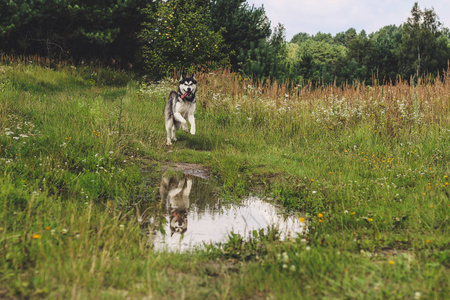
(367, 165)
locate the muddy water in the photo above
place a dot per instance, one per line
(191, 214)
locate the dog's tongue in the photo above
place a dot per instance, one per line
(185, 94)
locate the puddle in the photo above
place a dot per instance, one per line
(191, 214)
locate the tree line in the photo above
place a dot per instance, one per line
(161, 36)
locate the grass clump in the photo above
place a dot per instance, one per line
(368, 166)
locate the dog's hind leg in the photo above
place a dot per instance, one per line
(170, 131)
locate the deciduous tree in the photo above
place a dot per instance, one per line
(176, 36)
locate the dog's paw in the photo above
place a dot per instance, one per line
(185, 129)
(193, 132)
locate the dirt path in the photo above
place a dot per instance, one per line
(188, 169)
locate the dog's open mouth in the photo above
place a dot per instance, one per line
(186, 94)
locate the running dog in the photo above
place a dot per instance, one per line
(181, 106)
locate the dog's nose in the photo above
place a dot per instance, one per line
(188, 89)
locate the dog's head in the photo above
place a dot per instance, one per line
(178, 221)
(187, 87)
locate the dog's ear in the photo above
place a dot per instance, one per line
(193, 76)
(182, 76)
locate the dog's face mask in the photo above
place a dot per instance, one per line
(188, 87)
(178, 221)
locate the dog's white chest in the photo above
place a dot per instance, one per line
(185, 108)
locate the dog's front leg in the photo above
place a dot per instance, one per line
(191, 119)
(182, 120)
(188, 188)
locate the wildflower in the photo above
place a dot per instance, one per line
(302, 220)
(391, 262)
(428, 241)
(320, 220)
(353, 213)
(36, 236)
(369, 219)
(47, 227)
(64, 231)
(320, 215)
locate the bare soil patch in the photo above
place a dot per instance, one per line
(188, 169)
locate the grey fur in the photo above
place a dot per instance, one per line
(181, 106)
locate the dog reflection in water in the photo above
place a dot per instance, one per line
(175, 192)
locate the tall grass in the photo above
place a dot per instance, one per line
(368, 165)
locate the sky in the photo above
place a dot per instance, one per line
(334, 16)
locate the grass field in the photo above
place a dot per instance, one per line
(368, 165)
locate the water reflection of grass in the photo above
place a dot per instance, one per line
(369, 165)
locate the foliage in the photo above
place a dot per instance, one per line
(385, 43)
(160, 36)
(265, 59)
(241, 26)
(176, 37)
(72, 29)
(418, 47)
(422, 50)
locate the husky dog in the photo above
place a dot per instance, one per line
(181, 106)
(177, 201)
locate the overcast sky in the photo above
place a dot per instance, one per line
(334, 16)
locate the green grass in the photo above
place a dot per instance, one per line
(368, 166)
